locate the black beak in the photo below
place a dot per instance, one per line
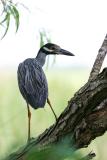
(64, 52)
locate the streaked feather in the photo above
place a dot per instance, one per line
(32, 83)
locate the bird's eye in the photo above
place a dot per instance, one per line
(52, 48)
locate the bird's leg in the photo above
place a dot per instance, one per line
(29, 118)
(48, 101)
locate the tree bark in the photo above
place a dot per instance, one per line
(84, 118)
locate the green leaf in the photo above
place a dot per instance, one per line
(9, 11)
(41, 38)
(7, 23)
(3, 20)
(16, 17)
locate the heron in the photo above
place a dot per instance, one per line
(32, 81)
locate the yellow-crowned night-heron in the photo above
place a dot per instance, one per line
(32, 80)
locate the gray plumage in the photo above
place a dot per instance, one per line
(31, 78)
(32, 83)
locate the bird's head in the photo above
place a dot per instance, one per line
(51, 48)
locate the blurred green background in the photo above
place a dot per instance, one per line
(63, 83)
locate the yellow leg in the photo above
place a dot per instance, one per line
(29, 119)
(48, 101)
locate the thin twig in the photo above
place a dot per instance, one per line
(91, 155)
(99, 60)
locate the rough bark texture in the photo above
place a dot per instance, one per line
(99, 60)
(85, 117)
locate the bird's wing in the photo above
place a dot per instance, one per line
(33, 84)
(35, 80)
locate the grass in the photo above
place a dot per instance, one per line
(13, 113)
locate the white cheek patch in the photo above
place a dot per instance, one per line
(47, 49)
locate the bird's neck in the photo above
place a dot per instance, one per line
(41, 57)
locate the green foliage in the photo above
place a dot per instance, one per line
(55, 152)
(9, 10)
(58, 151)
(45, 38)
